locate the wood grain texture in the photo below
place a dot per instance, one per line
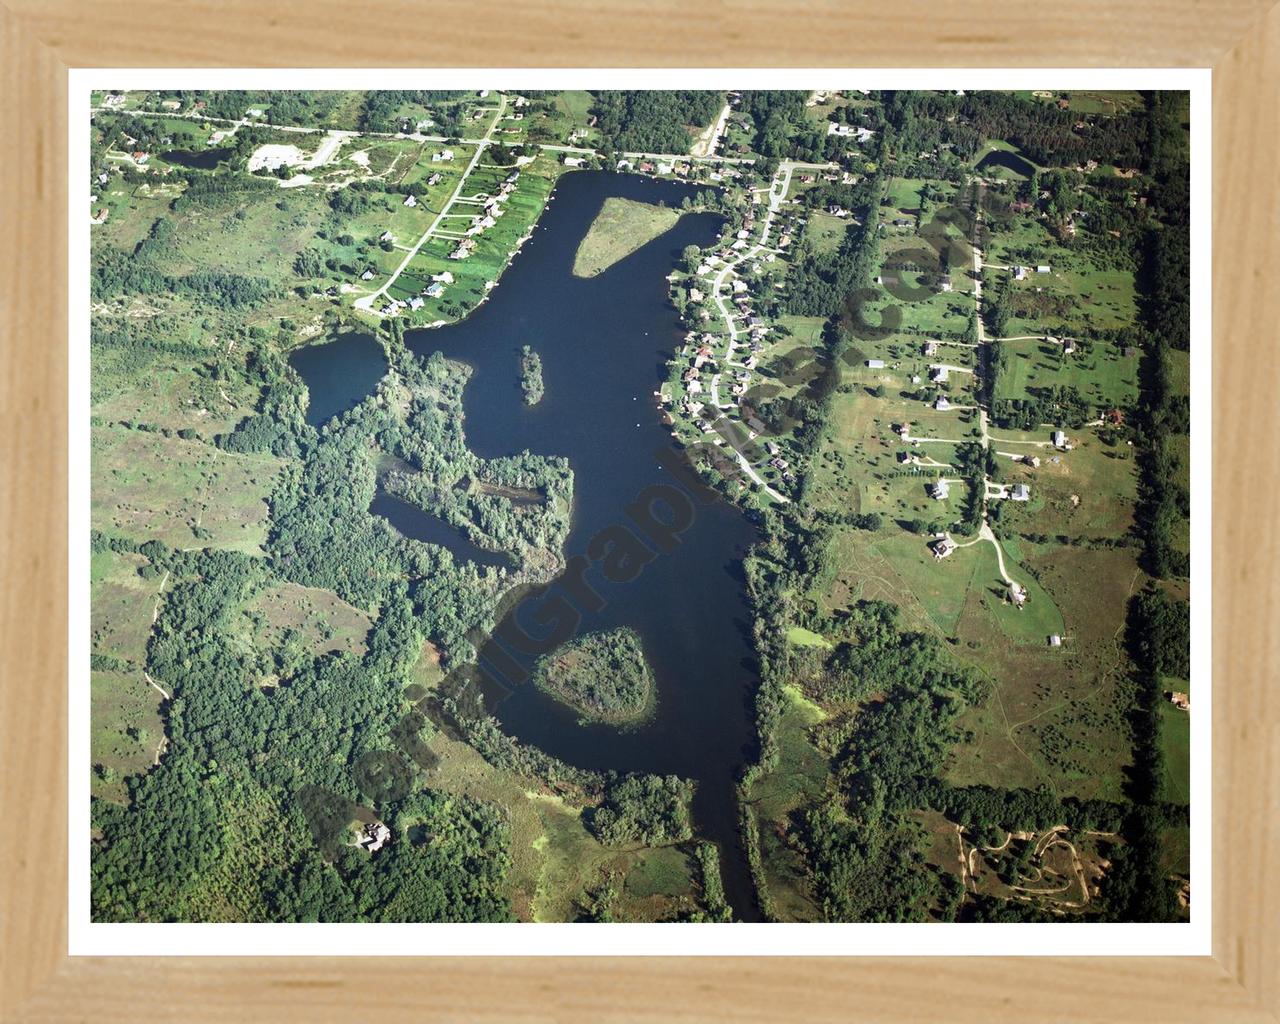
(1246, 594)
(657, 33)
(40, 38)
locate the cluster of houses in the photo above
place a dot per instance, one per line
(481, 222)
(415, 302)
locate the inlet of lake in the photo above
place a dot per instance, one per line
(604, 343)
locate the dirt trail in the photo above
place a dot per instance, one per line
(163, 692)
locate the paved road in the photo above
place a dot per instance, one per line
(366, 302)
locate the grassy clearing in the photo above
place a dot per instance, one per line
(825, 232)
(554, 858)
(799, 780)
(621, 227)
(326, 623)
(127, 730)
(184, 493)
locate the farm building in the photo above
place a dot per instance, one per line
(875, 364)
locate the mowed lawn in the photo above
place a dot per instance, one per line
(184, 493)
(620, 228)
(1106, 376)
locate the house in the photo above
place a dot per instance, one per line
(1017, 594)
(1021, 492)
(695, 295)
(433, 180)
(739, 286)
(411, 202)
(140, 158)
(253, 112)
(942, 547)
(1181, 701)
(875, 364)
(102, 178)
(386, 236)
(434, 291)
(424, 124)
(367, 276)
(463, 250)
(939, 374)
(784, 241)
(445, 277)
(374, 836)
(1031, 460)
(574, 161)
(946, 284)
(1068, 346)
(441, 156)
(417, 302)
(1059, 439)
(1055, 640)
(1019, 273)
(171, 104)
(940, 490)
(942, 405)
(930, 348)
(1042, 269)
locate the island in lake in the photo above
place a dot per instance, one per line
(602, 676)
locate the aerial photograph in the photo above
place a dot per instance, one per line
(639, 506)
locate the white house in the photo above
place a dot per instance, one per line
(367, 276)
(574, 161)
(940, 489)
(942, 405)
(411, 202)
(1019, 273)
(1021, 492)
(1059, 439)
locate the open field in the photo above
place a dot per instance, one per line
(184, 493)
(324, 622)
(127, 730)
(621, 227)
(799, 780)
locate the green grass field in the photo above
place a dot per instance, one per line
(184, 493)
(621, 227)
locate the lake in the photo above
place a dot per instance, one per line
(1009, 161)
(199, 159)
(604, 343)
(339, 374)
(418, 524)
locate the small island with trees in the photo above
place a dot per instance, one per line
(602, 676)
(531, 376)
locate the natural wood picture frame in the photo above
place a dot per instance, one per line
(41, 39)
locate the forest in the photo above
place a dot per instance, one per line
(653, 121)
